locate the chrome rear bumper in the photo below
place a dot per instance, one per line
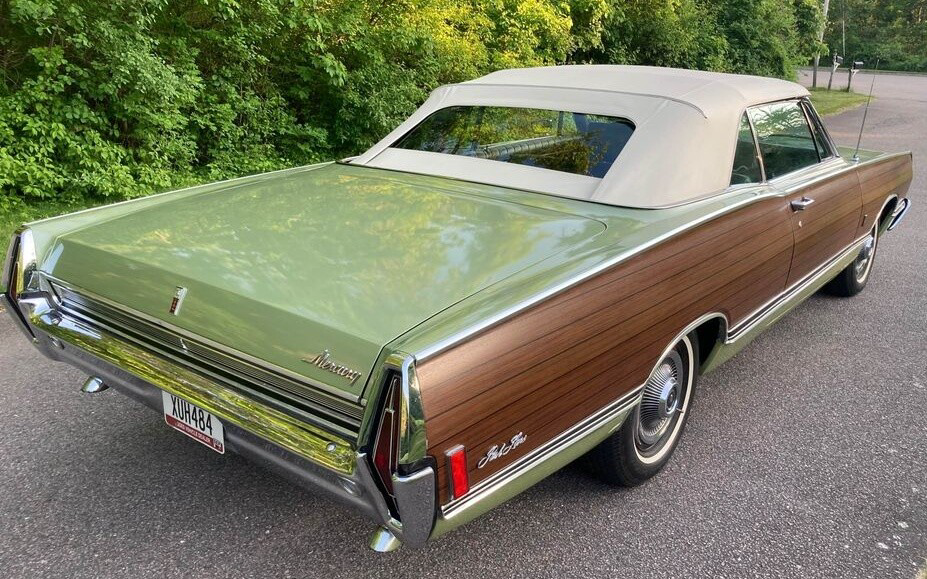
(302, 453)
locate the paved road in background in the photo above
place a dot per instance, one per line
(806, 456)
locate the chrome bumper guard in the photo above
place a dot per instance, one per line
(899, 213)
(302, 453)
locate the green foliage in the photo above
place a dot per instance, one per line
(765, 37)
(892, 32)
(677, 33)
(108, 100)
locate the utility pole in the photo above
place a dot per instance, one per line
(817, 55)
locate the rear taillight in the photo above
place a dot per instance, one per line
(386, 442)
(457, 467)
(19, 269)
(9, 270)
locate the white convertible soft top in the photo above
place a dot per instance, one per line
(682, 148)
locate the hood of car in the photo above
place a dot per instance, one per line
(313, 271)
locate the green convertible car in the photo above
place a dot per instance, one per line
(535, 267)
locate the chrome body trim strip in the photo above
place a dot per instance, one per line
(881, 157)
(548, 450)
(413, 442)
(777, 187)
(269, 388)
(792, 182)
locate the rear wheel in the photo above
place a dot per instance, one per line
(648, 437)
(853, 278)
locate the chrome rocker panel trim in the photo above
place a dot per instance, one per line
(309, 456)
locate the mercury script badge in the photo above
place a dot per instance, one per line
(325, 362)
(500, 450)
(180, 293)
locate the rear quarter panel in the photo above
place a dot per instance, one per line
(880, 179)
(557, 362)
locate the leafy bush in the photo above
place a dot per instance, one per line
(108, 100)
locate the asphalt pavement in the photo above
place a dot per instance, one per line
(805, 456)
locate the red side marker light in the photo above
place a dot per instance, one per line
(457, 463)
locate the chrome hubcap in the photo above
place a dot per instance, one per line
(668, 398)
(661, 400)
(864, 259)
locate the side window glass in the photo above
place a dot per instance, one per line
(746, 163)
(824, 148)
(785, 139)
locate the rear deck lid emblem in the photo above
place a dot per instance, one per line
(180, 293)
(325, 362)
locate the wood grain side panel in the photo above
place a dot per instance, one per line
(827, 226)
(571, 397)
(879, 182)
(606, 328)
(556, 363)
(541, 323)
(819, 246)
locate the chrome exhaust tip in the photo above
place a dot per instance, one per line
(93, 385)
(384, 541)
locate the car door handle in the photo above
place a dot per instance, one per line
(801, 204)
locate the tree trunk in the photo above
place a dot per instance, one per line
(817, 56)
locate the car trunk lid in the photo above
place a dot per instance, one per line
(313, 271)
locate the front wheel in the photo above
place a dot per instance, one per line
(646, 440)
(853, 278)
